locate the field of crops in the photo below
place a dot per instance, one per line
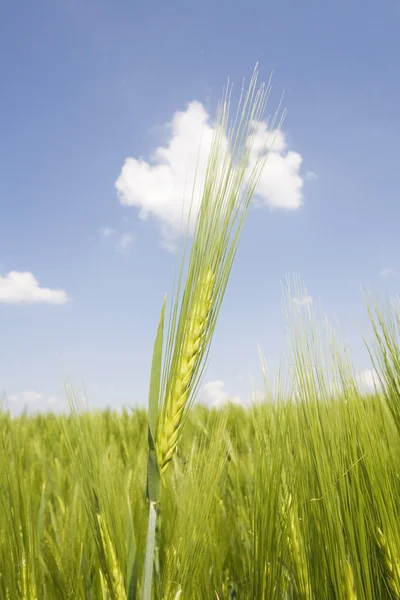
(297, 497)
(294, 497)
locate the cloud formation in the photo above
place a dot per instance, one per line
(311, 176)
(125, 243)
(215, 395)
(368, 381)
(386, 272)
(22, 287)
(32, 402)
(107, 231)
(162, 187)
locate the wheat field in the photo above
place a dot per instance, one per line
(295, 496)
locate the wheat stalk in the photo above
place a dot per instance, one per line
(230, 182)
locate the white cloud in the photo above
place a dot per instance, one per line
(53, 401)
(22, 287)
(162, 188)
(302, 301)
(216, 396)
(311, 176)
(33, 402)
(281, 184)
(386, 272)
(30, 396)
(125, 243)
(367, 381)
(107, 231)
(259, 397)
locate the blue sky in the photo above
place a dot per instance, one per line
(88, 84)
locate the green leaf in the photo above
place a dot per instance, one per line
(149, 557)
(131, 557)
(42, 509)
(153, 472)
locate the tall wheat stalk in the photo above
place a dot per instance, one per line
(234, 166)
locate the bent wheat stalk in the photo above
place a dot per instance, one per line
(237, 156)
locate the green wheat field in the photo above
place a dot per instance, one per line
(294, 497)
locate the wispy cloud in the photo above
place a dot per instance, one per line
(386, 272)
(33, 402)
(162, 187)
(53, 401)
(22, 287)
(30, 397)
(107, 231)
(311, 176)
(125, 243)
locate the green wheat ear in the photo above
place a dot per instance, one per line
(170, 424)
(237, 157)
(349, 581)
(390, 562)
(116, 580)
